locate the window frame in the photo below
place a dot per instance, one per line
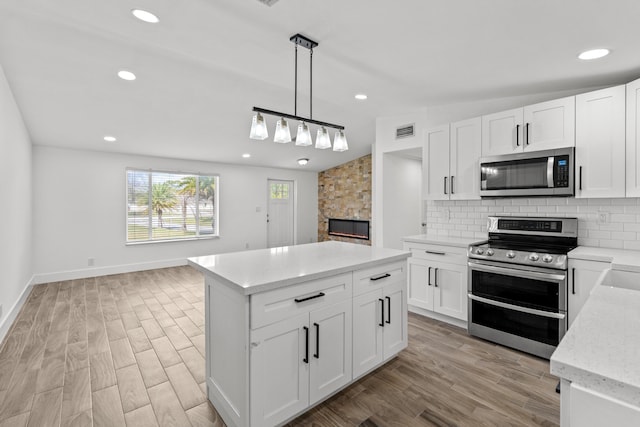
(151, 171)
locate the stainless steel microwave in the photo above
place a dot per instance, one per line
(536, 173)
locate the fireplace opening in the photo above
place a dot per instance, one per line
(354, 228)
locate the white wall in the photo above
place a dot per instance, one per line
(402, 193)
(16, 254)
(80, 207)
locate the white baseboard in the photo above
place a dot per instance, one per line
(12, 314)
(105, 271)
(437, 316)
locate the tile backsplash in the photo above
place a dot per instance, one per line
(607, 223)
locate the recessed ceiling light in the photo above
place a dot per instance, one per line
(126, 75)
(145, 16)
(593, 54)
(361, 96)
(303, 162)
(246, 155)
(110, 138)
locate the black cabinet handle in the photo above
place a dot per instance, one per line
(321, 294)
(526, 133)
(580, 178)
(381, 312)
(429, 276)
(451, 184)
(306, 345)
(517, 135)
(388, 310)
(434, 253)
(317, 353)
(435, 275)
(573, 281)
(384, 276)
(445, 185)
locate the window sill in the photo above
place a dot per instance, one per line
(190, 239)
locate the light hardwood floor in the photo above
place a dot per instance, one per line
(128, 350)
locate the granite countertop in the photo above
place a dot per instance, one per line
(436, 239)
(265, 269)
(620, 259)
(600, 350)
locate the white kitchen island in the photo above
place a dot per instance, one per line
(288, 327)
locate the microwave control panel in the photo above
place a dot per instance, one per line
(561, 171)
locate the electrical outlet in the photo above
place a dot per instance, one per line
(246, 246)
(91, 261)
(604, 217)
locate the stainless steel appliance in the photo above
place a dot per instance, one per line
(535, 173)
(518, 282)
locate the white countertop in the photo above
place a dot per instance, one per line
(601, 350)
(265, 269)
(435, 239)
(620, 259)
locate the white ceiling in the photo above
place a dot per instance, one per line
(208, 62)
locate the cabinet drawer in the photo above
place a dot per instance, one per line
(278, 304)
(441, 253)
(376, 277)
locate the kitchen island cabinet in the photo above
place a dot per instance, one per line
(281, 323)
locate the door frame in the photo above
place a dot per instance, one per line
(294, 221)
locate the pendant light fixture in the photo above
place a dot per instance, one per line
(303, 136)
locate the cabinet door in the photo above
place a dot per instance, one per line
(394, 332)
(600, 143)
(279, 375)
(419, 288)
(435, 164)
(589, 408)
(330, 350)
(367, 332)
(582, 278)
(450, 290)
(633, 139)
(502, 133)
(464, 156)
(549, 125)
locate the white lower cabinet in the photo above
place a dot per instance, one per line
(583, 407)
(583, 275)
(379, 327)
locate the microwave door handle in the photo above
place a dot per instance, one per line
(550, 163)
(517, 307)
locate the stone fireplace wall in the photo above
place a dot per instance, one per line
(344, 192)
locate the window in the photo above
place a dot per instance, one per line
(170, 206)
(279, 191)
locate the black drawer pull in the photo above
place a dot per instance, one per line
(435, 253)
(317, 353)
(518, 135)
(388, 310)
(429, 276)
(381, 312)
(306, 345)
(384, 276)
(321, 294)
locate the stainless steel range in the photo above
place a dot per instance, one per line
(518, 282)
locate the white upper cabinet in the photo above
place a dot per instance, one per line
(450, 161)
(502, 132)
(600, 143)
(543, 126)
(435, 164)
(464, 155)
(633, 139)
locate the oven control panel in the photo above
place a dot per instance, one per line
(555, 261)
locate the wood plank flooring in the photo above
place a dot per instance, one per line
(128, 350)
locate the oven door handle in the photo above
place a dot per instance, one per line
(517, 307)
(520, 273)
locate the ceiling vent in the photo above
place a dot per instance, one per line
(405, 131)
(268, 2)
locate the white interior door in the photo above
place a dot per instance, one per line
(280, 213)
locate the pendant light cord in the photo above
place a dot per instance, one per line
(295, 92)
(311, 84)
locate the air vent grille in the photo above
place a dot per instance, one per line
(405, 131)
(268, 2)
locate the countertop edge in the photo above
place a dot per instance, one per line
(460, 242)
(268, 286)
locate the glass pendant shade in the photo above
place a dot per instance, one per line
(322, 139)
(340, 142)
(258, 128)
(303, 138)
(283, 134)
